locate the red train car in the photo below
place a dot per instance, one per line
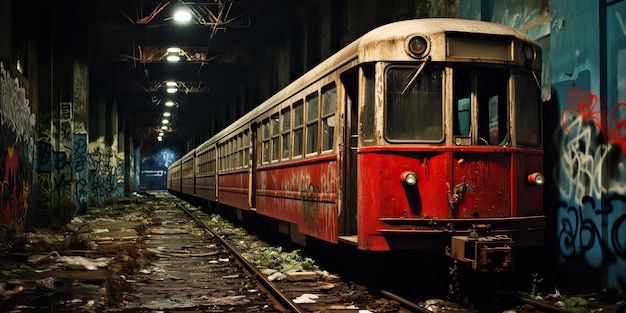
(421, 134)
(188, 178)
(174, 182)
(205, 171)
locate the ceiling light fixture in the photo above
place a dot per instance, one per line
(171, 84)
(172, 89)
(169, 103)
(181, 14)
(164, 127)
(166, 114)
(173, 54)
(165, 121)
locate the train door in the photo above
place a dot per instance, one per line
(348, 227)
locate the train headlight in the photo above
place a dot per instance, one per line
(408, 178)
(528, 53)
(536, 178)
(417, 46)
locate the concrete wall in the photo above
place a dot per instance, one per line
(17, 128)
(53, 163)
(588, 87)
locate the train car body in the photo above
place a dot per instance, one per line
(188, 179)
(420, 134)
(206, 171)
(174, 182)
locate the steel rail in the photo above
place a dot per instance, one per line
(405, 304)
(274, 293)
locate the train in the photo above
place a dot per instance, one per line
(421, 134)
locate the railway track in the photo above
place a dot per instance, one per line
(175, 260)
(311, 290)
(331, 293)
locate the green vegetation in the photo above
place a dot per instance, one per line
(276, 259)
(534, 288)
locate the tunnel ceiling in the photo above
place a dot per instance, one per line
(220, 47)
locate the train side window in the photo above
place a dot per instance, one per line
(245, 150)
(329, 105)
(233, 155)
(211, 169)
(266, 141)
(229, 154)
(201, 165)
(199, 162)
(225, 156)
(275, 125)
(312, 115)
(285, 119)
(238, 154)
(221, 156)
(232, 147)
(258, 144)
(298, 128)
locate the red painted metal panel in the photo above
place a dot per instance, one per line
(481, 185)
(456, 188)
(381, 193)
(304, 193)
(233, 189)
(529, 197)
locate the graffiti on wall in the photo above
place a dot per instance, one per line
(80, 160)
(135, 173)
(54, 181)
(591, 218)
(17, 152)
(62, 172)
(105, 171)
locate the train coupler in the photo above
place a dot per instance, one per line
(484, 253)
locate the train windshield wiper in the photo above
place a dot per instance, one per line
(416, 73)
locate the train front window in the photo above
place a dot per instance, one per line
(414, 104)
(480, 107)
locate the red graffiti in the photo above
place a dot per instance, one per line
(618, 134)
(586, 107)
(14, 189)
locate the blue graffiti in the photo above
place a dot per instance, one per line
(48, 159)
